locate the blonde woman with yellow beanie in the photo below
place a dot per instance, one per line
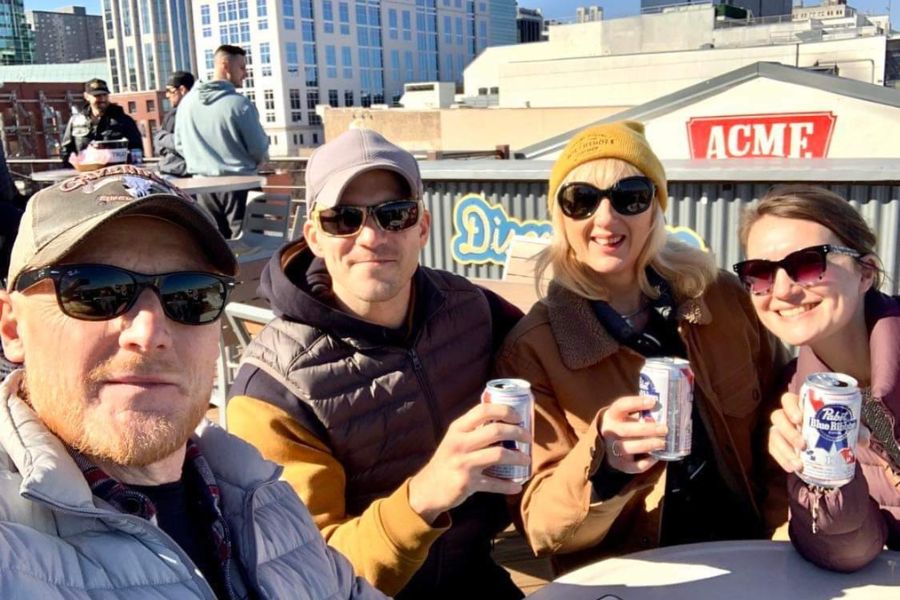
(623, 291)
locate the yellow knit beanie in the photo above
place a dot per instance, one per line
(623, 140)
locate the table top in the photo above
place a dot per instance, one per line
(192, 185)
(741, 570)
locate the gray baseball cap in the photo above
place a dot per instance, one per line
(333, 165)
(58, 219)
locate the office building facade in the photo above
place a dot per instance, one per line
(16, 37)
(341, 53)
(146, 40)
(530, 24)
(756, 8)
(66, 35)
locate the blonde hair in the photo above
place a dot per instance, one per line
(688, 270)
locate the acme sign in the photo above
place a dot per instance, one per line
(786, 135)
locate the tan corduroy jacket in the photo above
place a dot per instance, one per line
(576, 369)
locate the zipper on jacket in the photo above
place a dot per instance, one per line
(429, 394)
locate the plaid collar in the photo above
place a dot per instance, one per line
(196, 474)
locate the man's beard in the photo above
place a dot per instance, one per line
(142, 439)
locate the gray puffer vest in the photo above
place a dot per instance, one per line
(59, 541)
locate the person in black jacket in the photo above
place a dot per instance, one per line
(100, 119)
(170, 161)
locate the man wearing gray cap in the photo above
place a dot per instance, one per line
(367, 384)
(110, 485)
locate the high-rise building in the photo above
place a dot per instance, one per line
(588, 14)
(302, 53)
(502, 22)
(66, 35)
(530, 23)
(16, 37)
(756, 8)
(146, 40)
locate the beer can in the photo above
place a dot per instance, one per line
(671, 382)
(831, 404)
(517, 394)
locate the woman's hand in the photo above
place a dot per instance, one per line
(785, 441)
(628, 438)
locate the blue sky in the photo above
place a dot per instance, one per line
(551, 8)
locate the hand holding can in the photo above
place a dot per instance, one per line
(831, 404)
(671, 382)
(515, 393)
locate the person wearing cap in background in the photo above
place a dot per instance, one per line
(366, 385)
(100, 119)
(170, 162)
(111, 482)
(218, 133)
(623, 291)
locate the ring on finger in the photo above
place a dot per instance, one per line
(614, 448)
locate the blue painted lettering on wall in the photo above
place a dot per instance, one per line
(482, 231)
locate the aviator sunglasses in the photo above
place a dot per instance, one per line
(805, 267)
(346, 220)
(93, 292)
(630, 196)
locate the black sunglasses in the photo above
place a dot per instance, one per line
(102, 292)
(630, 196)
(805, 267)
(346, 220)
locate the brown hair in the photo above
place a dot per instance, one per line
(822, 206)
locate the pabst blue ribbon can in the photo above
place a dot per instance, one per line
(671, 382)
(517, 394)
(831, 405)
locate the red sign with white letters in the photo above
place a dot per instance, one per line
(786, 135)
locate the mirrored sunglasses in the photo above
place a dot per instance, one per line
(805, 267)
(92, 292)
(630, 196)
(346, 220)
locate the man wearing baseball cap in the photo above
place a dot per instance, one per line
(99, 119)
(170, 161)
(111, 483)
(366, 386)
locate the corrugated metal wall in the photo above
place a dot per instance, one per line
(711, 209)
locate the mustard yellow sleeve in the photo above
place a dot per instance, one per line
(386, 544)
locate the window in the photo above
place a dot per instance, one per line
(132, 107)
(347, 60)
(302, 140)
(315, 138)
(206, 20)
(151, 106)
(261, 9)
(314, 119)
(333, 98)
(331, 61)
(392, 23)
(348, 98)
(395, 65)
(262, 24)
(328, 16)
(409, 65)
(407, 26)
(270, 118)
(312, 98)
(344, 13)
(459, 31)
(265, 59)
(294, 96)
(269, 99)
(288, 10)
(292, 58)
(448, 30)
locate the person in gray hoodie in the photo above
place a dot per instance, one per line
(218, 133)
